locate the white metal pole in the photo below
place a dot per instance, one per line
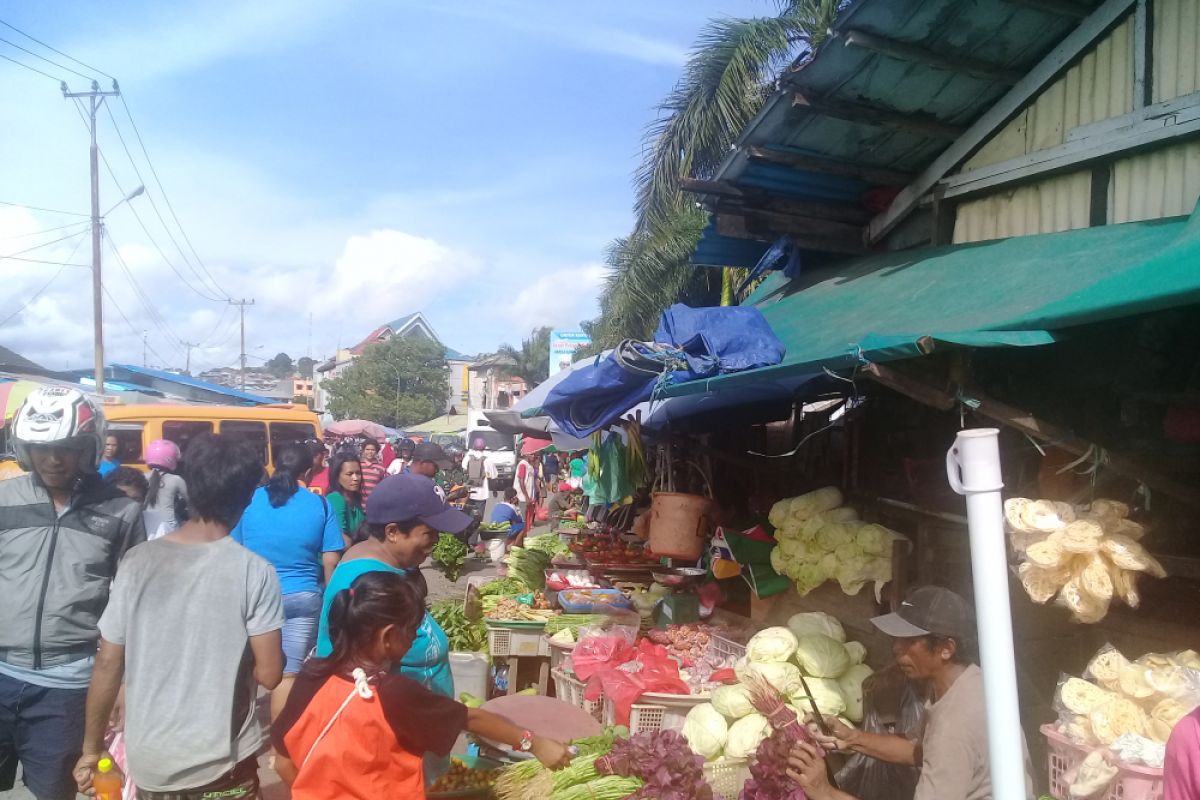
(973, 469)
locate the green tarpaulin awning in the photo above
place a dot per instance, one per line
(1011, 292)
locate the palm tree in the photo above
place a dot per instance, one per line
(532, 360)
(730, 73)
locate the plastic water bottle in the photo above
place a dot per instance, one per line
(107, 780)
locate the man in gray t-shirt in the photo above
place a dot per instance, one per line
(193, 624)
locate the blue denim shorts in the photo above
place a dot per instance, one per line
(301, 611)
(42, 729)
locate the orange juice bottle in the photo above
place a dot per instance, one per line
(107, 780)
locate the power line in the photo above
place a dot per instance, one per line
(60, 52)
(39, 208)
(167, 199)
(44, 244)
(143, 298)
(132, 328)
(43, 261)
(45, 231)
(158, 213)
(48, 61)
(45, 286)
(31, 69)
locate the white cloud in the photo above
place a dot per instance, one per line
(561, 298)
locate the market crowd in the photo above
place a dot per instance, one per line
(141, 614)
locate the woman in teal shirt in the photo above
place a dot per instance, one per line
(345, 495)
(404, 518)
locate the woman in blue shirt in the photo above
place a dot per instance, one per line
(404, 518)
(296, 532)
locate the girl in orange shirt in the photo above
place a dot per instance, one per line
(353, 729)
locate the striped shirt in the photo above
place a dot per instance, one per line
(372, 473)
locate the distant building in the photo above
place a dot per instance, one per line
(302, 387)
(492, 384)
(411, 325)
(258, 381)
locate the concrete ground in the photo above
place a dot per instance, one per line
(439, 589)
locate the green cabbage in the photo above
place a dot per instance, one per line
(822, 656)
(856, 651)
(794, 549)
(826, 694)
(706, 731)
(808, 622)
(778, 514)
(733, 701)
(745, 735)
(779, 560)
(851, 687)
(783, 676)
(771, 644)
(806, 505)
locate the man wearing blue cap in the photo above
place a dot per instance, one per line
(405, 515)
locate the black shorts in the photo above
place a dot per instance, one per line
(42, 729)
(240, 784)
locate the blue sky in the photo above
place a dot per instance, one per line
(350, 160)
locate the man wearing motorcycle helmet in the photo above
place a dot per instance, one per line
(63, 531)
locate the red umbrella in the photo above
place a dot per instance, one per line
(530, 445)
(358, 427)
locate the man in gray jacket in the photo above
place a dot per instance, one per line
(62, 533)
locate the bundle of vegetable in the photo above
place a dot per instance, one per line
(769, 779)
(548, 543)
(507, 608)
(463, 634)
(528, 566)
(529, 780)
(449, 554)
(1087, 558)
(503, 586)
(820, 542)
(664, 761)
(573, 622)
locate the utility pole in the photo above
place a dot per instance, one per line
(95, 100)
(145, 335)
(241, 304)
(187, 369)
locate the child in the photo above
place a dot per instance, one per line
(193, 626)
(510, 513)
(130, 481)
(353, 729)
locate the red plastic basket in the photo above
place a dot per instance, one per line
(1132, 782)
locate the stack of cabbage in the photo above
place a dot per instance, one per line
(813, 644)
(1088, 558)
(821, 540)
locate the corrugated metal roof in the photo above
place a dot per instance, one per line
(184, 380)
(1006, 35)
(1176, 44)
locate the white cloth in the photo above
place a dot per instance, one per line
(489, 474)
(397, 466)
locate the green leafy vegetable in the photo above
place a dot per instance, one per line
(449, 554)
(503, 586)
(464, 635)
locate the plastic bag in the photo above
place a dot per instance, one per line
(650, 670)
(869, 778)
(609, 643)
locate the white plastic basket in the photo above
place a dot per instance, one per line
(560, 655)
(570, 690)
(517, 642)
(721, 646)
(656, 712)
(726, 777)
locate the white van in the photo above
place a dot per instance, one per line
(499, 449)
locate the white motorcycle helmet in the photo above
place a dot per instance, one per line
(59, 416)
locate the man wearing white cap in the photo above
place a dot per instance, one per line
(933, 640)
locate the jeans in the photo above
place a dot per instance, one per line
(301, 611)
(43, 729)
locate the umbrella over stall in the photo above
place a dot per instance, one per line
(360, 427)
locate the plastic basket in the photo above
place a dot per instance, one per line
(560, 655)
(516, 642)
(655, 712)
(570, 689)
(1132, 782)
(727, 776)
(721, 646)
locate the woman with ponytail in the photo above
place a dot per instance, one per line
(165, 506)
(298, 534)
(353, 728)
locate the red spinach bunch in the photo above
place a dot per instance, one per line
(769, 779)
(663, 760)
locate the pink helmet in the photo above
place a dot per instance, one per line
(163, 454)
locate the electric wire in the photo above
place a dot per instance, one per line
(45, 231)
(44, 261)
(158, 213)
(44, 244)
(147, 304)
(133, 329)
(56, 50)
(47, 60)
(31, 69)
(167, 199)
(39, 208)
(45, 286)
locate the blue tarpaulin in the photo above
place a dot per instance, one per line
(691, 343)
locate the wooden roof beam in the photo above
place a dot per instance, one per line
(878, 117)
(1099, 22)
(808, 234)
(881, 176)
(920, 55)
(760, 198)
(1059, 8)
